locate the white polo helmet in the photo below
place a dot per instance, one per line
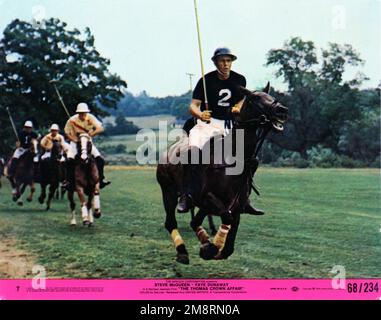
(55, 127)
(28, 124)
(83, 108)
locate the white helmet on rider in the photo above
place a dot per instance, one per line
(28, 124)
(55, 127)
(83, 108)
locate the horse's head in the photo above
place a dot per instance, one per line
(262, 109)
(56, 150)
(85, 146)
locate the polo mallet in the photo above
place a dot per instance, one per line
(201, 58)
(60, 97)
(13, 125)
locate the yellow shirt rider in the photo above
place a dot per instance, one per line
(47, 142)
(84, 122)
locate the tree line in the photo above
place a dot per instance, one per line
(333, 121)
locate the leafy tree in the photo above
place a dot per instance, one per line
(359, 138)
(122, 126)
(31, 57)
(319, 100)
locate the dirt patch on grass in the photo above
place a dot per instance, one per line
(14, 262)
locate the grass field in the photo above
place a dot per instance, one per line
(315, 219)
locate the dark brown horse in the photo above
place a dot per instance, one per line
(220, 193)
(24, 174)
(86, 184)
(50, 174)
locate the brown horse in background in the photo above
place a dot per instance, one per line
(86, 184)
(218, 193)
(51, 174)
(24, 174)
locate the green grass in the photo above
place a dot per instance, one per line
(315, 219)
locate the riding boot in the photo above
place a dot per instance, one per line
(249, 209)
(100, 165)
(70, 175)
(189, 185)
(12, 167)
(185, 202)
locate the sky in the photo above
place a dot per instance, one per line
(152, 44)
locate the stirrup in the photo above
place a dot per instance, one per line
(104, 183)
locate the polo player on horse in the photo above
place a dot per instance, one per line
(83, 122)
(51, 165)
(53, 137)
(27, 136)
(225, 97)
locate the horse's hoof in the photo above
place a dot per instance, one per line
(41, 201)
(29, 199)
(208, 251)
(86, 223)
(73, 223)
(97, 215)
(182, 258)
(20, 203)
(47, 208)
(14, 199)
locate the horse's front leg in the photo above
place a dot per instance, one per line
(52, 190)
(97, 202)
(84, 210)
(41, 198)
(170, 203)
(15, 189)
(212, 226)
(20, 192)
(90, 206)
(32, 191)
(228, 248)
(207, 250)
(70, 196)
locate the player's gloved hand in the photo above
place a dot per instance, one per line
(18, 144)
(206, 116)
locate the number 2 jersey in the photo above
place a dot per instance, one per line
(222, 94)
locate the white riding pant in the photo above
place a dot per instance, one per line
(48, 154)
(65, 147)
(202, 132)
(20, 151)
(73, 150)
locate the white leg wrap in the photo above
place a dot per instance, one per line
(73, 221)
(85, 213)
(97, 202)
(91, 216)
